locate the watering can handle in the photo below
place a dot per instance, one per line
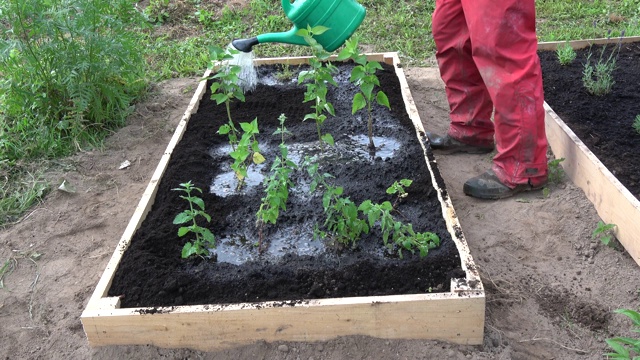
(286, 6)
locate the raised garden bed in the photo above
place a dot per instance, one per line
(594, 134)
(139, 301)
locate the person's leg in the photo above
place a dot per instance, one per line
(469, 101)
(504, 47)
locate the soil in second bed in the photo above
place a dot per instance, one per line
(295, 266)
(603, 123)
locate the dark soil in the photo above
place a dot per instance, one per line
(296, 266)
(603, 123)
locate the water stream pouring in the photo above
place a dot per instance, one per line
(342, 17)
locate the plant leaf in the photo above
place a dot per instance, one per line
(328, 139)
(382, 99)
(182, 218)
(258, 158)
(184, 230)
(359, 102)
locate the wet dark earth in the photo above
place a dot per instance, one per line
(603, 123)
(294, 264)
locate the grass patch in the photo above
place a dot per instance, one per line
(20, 188)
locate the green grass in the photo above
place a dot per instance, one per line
(176, 46)
(20, 188)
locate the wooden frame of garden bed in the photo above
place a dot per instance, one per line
(456, 316)
(613, 202)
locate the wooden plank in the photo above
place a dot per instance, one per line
(579, 44)
(447, 318)
(448, 212)
(613, 202)
(457, 316)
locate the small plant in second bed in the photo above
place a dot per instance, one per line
(204, 239)
(597, 78)
(364, 75)
(636, 124)
(565, 53)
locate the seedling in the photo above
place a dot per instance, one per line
(342, 222)
(636, 124)
(277, 184)
(555, 176)
(225, 88)
(626, 347)
(246, 151)
(204, 238)
(364, 75)
(402, 235)
(318, 79)
(604, 232)
(565, 53)
(598, 78)
(555, 172)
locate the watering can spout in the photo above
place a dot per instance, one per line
(245, 45)
(341, 17)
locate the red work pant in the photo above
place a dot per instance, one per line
(486, 52)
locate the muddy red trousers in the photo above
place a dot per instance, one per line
(486, 52)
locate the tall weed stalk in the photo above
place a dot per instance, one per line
(69, 72)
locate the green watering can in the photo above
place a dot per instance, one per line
(342, 17)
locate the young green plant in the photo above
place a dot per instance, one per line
(318, 79)
(246, 151)
(604, 232)
(225, 88)
(204, 239)
(565, 53)
(402, 235)
(597, 78)
(342, 222)
(627, 348)
(636, 124)
(277, 184)
(364, 75)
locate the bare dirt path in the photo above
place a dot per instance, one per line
(551, 288)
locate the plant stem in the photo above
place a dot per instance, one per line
(233, 128)
(372, 146)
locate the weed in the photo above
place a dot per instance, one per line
(157, 11)
(555, 173)
(70, 72)
(21, 186)
(636, 124)
(318, 79)
(277, 184)
(6, 269)
(364, 75)
(626, 347)
(604, 232)
(286, 73)
(565, 53)
(204, 238)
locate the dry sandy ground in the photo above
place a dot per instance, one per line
(551, 288)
